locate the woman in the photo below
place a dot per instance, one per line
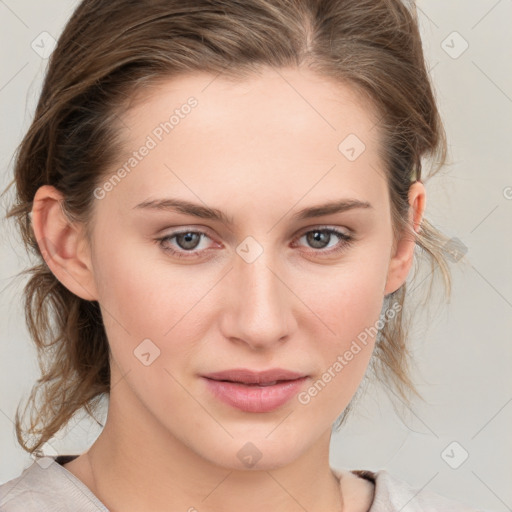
(226, 199)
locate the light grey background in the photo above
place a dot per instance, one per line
(463, 352)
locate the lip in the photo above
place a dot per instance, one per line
(247, 376)
(245, 389)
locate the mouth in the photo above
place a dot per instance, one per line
(254, 384)
(253, 392)
(249, 377)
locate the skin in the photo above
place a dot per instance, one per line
(259, 150)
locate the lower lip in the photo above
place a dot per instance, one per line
(255, 398)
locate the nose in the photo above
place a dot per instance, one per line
(260, 311)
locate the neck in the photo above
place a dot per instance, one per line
(131, 471)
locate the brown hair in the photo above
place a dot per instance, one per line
(109, 50)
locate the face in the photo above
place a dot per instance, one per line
(266, 283)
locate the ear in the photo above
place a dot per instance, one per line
(401, 261)
(62, 243)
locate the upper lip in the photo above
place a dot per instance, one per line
(247, 376)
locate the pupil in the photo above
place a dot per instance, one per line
(188, 237)
(317, 238)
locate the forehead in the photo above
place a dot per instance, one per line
(281, 130)
(296, 98)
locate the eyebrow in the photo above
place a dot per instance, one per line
(204, 212)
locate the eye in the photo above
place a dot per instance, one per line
(186, 241)
(320, 238)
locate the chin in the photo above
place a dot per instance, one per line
(255, 453)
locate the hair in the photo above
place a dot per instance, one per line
(109, 51)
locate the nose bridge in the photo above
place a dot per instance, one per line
(262, 301)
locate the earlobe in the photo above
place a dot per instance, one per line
(402, 259)
(62, 244)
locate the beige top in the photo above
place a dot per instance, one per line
(46, 486)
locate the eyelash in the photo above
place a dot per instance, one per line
(346, 240)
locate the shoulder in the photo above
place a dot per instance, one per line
(392, 493)
(45, 486)
(399, 493)
(359, 492)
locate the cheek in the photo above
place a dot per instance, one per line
(347, 303)
(346, 299)
(153, 300)
(146, 296)
(350, 306)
